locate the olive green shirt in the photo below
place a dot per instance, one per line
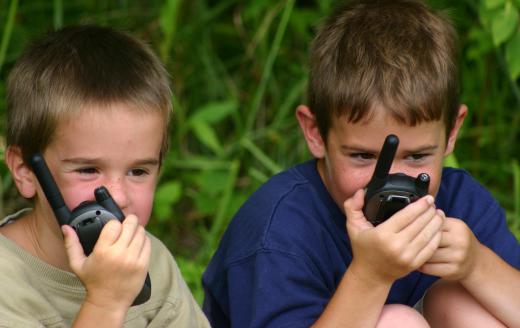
(36, 294)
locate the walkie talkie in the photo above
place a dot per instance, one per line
(88, 218)
(386, 193)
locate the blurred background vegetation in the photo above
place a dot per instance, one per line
(239, 69)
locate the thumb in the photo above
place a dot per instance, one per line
(73, 248)
(354, 211)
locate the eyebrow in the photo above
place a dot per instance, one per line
(361, 149)
(95, 160)
(425, 148)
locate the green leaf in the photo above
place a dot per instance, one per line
(206, 135)
(504, 24)
(166, 195)
(212, 182)
(451, 161)
(492, 4)
(168, 24)
(206, 204)
(513, 56)
(214, 112)
(479, 44)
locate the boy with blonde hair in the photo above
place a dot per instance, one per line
(96, 104)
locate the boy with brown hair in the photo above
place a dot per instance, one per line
(96, 104)
(300, 251)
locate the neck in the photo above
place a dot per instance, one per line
(38, 237)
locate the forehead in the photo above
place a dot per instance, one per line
(116, 128)
(371, 132)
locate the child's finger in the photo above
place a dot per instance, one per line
(433, 229)
(109, 234)
(423, 225)
(73, 247)
(130, 225)
(137, 243)
(442, 255)
(426, 253)
(354, 210)
(406, 216)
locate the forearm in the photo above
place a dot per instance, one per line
(357, 302)
(95, 316)
(496, 285)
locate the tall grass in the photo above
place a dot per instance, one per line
(238, 70)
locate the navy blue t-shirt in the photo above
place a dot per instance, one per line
(286, 250)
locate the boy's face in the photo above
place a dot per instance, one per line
(347, 162)
(118, 148)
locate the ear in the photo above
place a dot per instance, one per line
(452, 137)
(311, 131)
(20, 171)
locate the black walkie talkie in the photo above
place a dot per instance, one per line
(87, 219)
(386, 194)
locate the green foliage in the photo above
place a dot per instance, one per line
(239, 69)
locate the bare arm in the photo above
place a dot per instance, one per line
(381, 255)
(357, 302)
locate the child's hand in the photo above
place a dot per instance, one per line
(455, 257)
(114, 273)
(399, 245)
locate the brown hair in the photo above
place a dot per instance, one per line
(68, 70)
(398, 54)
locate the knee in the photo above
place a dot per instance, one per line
(442, 301)
(397, 315)
(448, 304)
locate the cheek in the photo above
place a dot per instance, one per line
(350, 180)
(435, 181)
(142, 205)
(75, 195)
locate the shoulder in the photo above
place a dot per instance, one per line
(287, 206)
(289, 233)
(164, 269)
(461, 196)
(460, 193)
(33, 288)
(292, 221)
(457, 179)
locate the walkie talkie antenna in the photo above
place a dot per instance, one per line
(54, 197)
(386, 157)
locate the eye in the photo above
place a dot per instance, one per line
(87, 170)
(418, 157)
(138, 172)
(363, 156)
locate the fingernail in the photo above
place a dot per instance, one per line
(429, 199)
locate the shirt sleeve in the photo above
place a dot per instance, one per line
(463, 197)
(494, 232)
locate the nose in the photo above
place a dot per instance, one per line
(396, 168)
(116, 188)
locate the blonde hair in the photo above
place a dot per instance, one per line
(77, 67)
